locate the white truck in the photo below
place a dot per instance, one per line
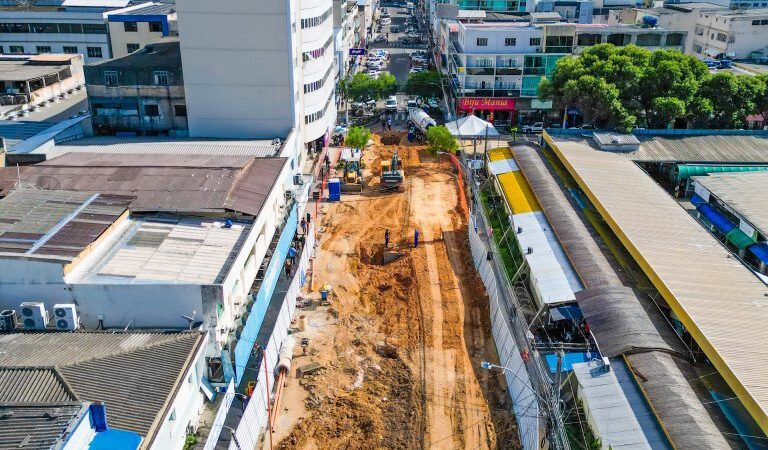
(420, 120)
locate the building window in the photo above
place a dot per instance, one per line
(131, 47)
(180, 110)
(699, 31)
(697, 48)
(535, 42)
(151, 111)
(44, 28)
(172, 416)
(2, 50)
(156, 26)
(111, 78)
(482, 42)
(43, 49)
(722, 37)
(70, 49)
(316, 21)
(16, 49)
(94, 28)
(510, 42)
(130, 27)
(161, 78)
(94, 52)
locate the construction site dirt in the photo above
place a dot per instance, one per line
(405, 330)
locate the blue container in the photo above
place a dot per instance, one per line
(334, 190)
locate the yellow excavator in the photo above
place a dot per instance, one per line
(392, 174)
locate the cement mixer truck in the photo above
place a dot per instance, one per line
(420, 121)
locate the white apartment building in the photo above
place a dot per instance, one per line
(66, 26)
(228, 91)
(732, 34)
(344, 19)
(674, 16)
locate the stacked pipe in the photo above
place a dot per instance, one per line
(283, 367)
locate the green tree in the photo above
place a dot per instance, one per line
(441, 140)
(425, 84)
(666, 110)
(357, 137)
(362, 87)
(598, 102)
(733, 98)
(761, 102)
(386, 85)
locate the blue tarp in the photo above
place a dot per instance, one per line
(261, 300)
(114, 439)
(696, 200)
(760, 251)
(718, 220)
(566, 312)
(569, 359)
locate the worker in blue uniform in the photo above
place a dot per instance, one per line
(416, 238)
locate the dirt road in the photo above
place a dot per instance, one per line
(402, 341)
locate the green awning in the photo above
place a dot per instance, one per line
(685, 171)
(739, 238)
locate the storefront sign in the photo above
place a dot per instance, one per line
(357, 51)
(486, 104)
(541, 104)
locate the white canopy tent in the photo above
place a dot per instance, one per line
(471, 127)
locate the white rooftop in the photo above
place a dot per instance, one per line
(187, 250)
(551, 273)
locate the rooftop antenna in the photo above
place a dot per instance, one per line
(190, 319)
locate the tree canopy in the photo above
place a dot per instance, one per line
(357, 137)
(425, 84)
(363, 87)
(626, 86)
(441, 140)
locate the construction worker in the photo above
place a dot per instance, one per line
(416, 238)
(386, 238)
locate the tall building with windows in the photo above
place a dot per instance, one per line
(258, 69)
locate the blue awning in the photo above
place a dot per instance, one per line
(715, 218)
(696, 200)
(760, 251)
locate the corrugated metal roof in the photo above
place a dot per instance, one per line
(701, 149)
(166, 146)
(720, 302)
(20, 130)
(608, 409)
(153, 9)
(159, 183)
(190, 249)
(552, 276)
(37, 427)
(55, 223)
(33, 385)
(135, 374)
(746, 193)
(518, 194)
(22, 70)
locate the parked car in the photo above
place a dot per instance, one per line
(410, 39)
(412, 103)
(433, 103)
(391, 104)
(394, 29)
(537, 127)
(417, 70)
(386, 21)
(380, 39)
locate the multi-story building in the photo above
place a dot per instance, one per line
(673, 16)
(134, 27)
(732, 34)
(733, 4)
(68, 26)
(497, 66)
(574, 38)
(141, 93)
(228, 92)
(344, 19)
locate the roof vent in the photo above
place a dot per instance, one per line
(616, 142)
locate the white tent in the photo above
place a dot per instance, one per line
(471, 126)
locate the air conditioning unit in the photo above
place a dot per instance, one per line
(298, 180)
(289, 195)
(8, 320)
(33, 316)
(65, 315)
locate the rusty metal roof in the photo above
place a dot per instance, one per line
(159, 183)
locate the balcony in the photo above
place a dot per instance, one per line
(509, 70)
(479, 70)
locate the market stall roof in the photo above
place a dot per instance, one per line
(719, 301)
(471, 126)
(746, 193)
